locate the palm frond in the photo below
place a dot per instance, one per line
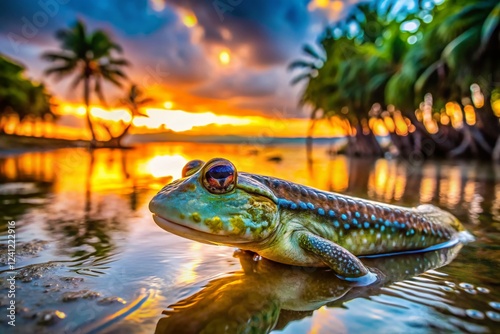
(299, 78)
(302, 64)
(489, 27)
(98, 91)
(59, 56)
(308, 49)
(425, 76)
(462, 45)
(60, 71)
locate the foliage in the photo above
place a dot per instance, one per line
(381, 62)
(134, 100)
(19, 96)
(90, 57)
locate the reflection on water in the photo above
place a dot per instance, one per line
(267, 295)
(92, 208)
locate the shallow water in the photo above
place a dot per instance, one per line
(92, 211)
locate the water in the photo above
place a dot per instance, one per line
(91, 210)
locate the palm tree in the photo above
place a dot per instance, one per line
(21, 97)
(134, 100)
(90, 57)
(369, 60)
(310, 69)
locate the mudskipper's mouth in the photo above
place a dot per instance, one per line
(197, 235)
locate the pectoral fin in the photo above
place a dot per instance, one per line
(345, 264)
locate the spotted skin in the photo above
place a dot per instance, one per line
(294, 224)
(361, 226)
(336, 257)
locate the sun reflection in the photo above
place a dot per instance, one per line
(428, 184)
(450, 187)
(340, 174)
(326, 322)
(188, 270)
(165, 165)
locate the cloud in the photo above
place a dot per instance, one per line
(178, 61)
(269, 29)
(239, 84)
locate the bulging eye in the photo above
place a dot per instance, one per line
(219, 176)
(192, 167)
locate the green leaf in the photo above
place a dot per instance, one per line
(461, 48)
(310, 51)
(302, 64)
(425, 76)
(489, 27)
(299, 78)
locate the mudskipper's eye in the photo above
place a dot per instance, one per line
(192, 167)
(219, 176)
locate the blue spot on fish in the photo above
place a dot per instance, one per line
(354, 221)
(387, 222)
(321, 211)
(336, 224)
(376, 225)
(331, 213)
(382, 228)
(366, 224)
(347, 226)
(302, 205)
(293, 206)
(373, 217)
(284, 203)
(310, 206)
(343, 216)
(357, 214)
(403, 225)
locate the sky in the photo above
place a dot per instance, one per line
(228, 58)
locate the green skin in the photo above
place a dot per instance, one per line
(298, 225)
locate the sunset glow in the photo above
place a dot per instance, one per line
(199, 123)
(224, 57)
(178, 120)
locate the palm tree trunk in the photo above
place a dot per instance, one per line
(123, 134)
(310, 133)
(86, 97)
(3, 123)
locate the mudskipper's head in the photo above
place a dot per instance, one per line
(214, 204)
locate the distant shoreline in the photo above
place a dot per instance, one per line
(15, 144)
(229, 139)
